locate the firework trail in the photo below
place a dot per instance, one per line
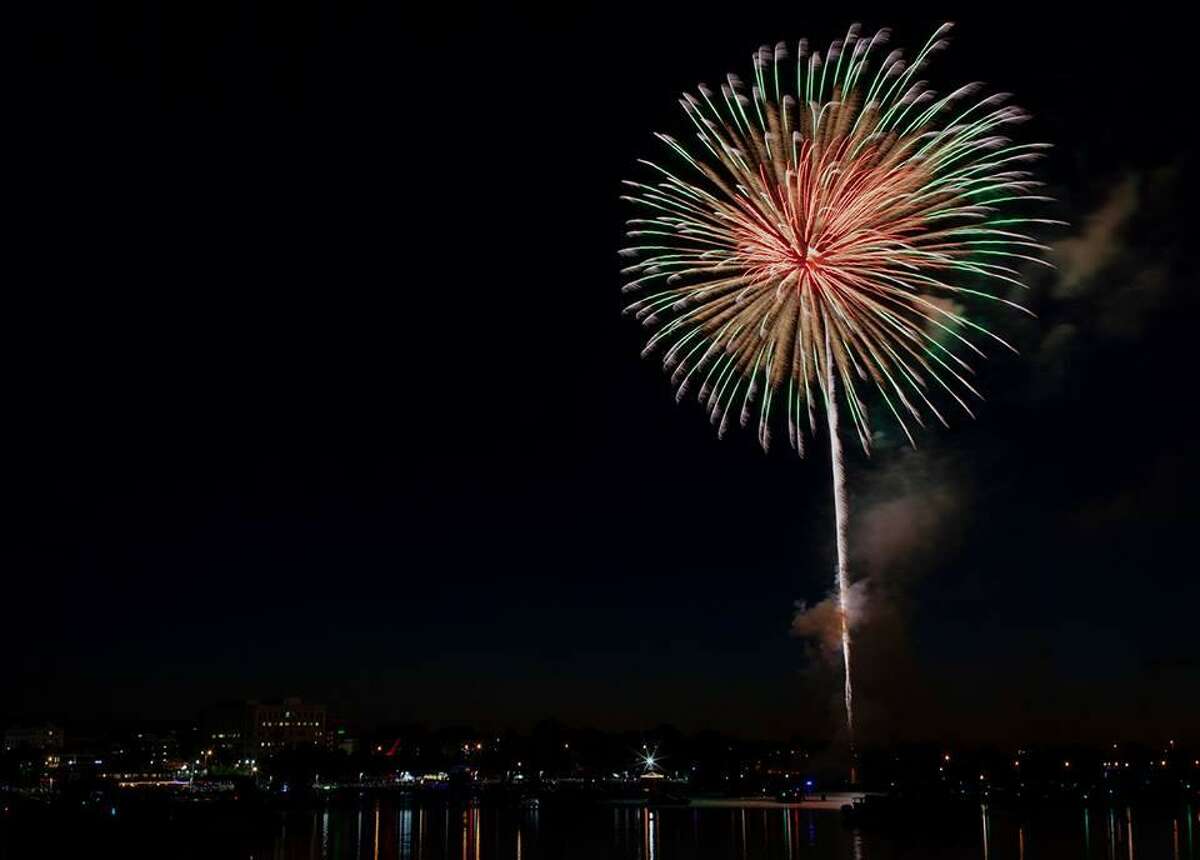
(840, 518)
(824, 242)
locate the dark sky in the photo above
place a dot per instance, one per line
(318, 385)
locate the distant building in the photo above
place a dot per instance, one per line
(339, 738)
(288, 724)
(155, 751)
(37, 738)
(227, 731)
(260, 728)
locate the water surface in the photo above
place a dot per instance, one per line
(405, 829)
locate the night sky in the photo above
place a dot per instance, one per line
(318, 385)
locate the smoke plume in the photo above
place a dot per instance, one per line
(906, 514)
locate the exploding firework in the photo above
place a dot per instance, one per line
(820, 247)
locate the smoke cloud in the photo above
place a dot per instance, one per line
(1080, 258)
(1113, 275)
(905, 513)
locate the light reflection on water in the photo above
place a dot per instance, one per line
(481, 832)
(396, 828)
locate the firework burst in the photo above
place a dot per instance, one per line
(819, 245)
